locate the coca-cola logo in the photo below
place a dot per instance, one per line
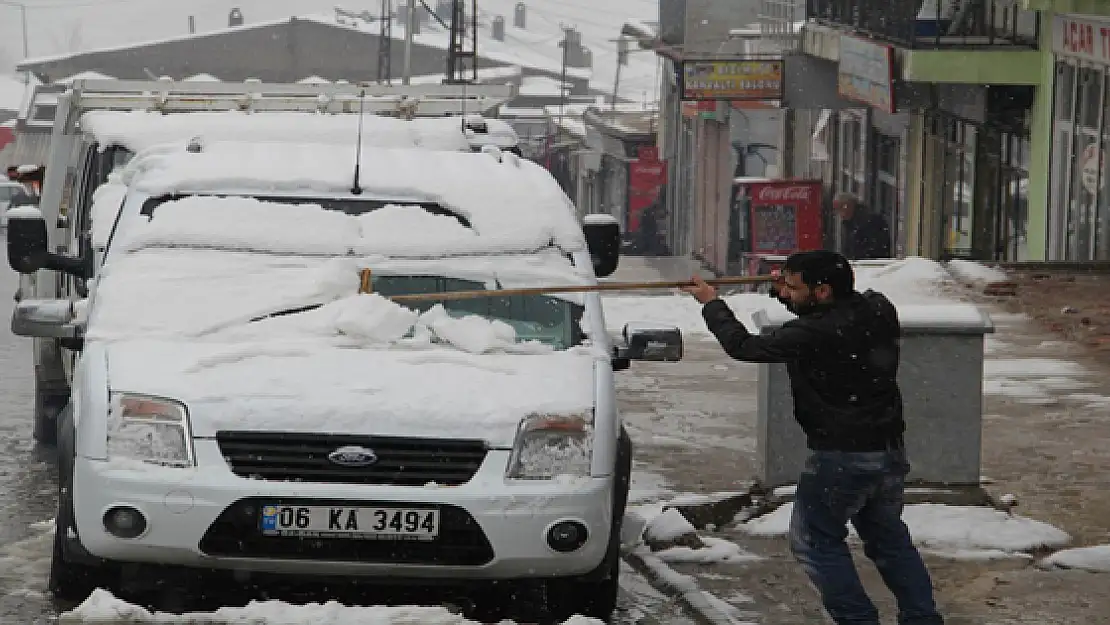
(797, 193)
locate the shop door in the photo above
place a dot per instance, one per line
(885, 196)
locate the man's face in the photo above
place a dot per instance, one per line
(798, 297)
(844, 208)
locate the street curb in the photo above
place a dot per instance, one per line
(692, 598)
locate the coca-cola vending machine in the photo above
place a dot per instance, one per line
(776, 218)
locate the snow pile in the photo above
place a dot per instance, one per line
(373, 318)
(975, 273)
(954, 531)
(668, 526)
(715, 551)
(380, 229)
(246, 224)
(473, 334)
(513, 206)
(1095, 559)
(311, 386)
(102, 606)
(214, 294)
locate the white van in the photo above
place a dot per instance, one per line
(104, 141)
(238, 404)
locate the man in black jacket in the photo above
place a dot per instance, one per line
(842, 356)
(866, 234)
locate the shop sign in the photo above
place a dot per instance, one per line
(748, 79)
(866, 73)
(1090, 173)
(1086, 39)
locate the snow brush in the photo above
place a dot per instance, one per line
(365, 287)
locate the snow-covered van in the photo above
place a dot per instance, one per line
(100, 125)
(255, 393)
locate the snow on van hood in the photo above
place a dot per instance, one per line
(387, 391)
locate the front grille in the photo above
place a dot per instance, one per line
(406, 461)
(236, 533)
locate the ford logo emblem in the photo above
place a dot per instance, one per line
(353, 456)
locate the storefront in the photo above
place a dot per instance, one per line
(1079, 202)
(976, 174)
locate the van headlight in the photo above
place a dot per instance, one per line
(149, 429)
(551, 445)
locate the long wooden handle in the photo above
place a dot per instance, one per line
(605, 286)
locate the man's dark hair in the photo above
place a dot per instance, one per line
(823, 267)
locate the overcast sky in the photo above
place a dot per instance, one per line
(62, 26)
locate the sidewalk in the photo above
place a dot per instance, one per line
(1046, 431)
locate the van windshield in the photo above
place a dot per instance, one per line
(350, 205)
(548, 320)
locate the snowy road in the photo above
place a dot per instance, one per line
(27, 498)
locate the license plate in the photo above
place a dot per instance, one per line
(350, 522)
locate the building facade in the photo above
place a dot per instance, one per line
(1079, 202)
(929, 115)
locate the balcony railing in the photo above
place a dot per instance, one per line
(942, 23)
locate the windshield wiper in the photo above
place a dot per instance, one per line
(288, 311)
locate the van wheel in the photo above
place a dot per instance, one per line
(47, 409)
(69, 581)
(593, 599)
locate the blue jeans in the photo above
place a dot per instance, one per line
(866, 489)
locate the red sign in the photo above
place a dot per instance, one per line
(785, 216)
(646, 176)
(1087, 39)
(6, 136)
(784, 193)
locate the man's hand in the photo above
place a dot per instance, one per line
(702, 291)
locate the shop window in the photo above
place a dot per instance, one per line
(1079, 224)
(852, 157)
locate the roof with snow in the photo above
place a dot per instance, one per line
(141, 130)
(341, 46)
(511, 203)
(14, 92)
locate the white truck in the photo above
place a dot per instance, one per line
(242, 403)
(101, 125)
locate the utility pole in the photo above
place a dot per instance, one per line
(407, 76)
(563, 80)
(385, 42)
(457, 52)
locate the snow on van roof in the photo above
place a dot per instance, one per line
(139, 130)
(511, 204)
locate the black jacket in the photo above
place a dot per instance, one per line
(867, 236)
(843, 366)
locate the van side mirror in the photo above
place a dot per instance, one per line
(652, 343)
(46, 318)
(29, 246)
(603, 238)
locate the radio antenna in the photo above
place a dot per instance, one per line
(356, 188)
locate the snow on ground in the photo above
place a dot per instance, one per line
(653, 522)
(1035, 381)
(1095, 559)
(975, 273)
(962, 532)
(103, 607)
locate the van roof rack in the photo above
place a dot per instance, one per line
(253, 96)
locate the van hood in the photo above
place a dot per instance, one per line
(433, 391)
